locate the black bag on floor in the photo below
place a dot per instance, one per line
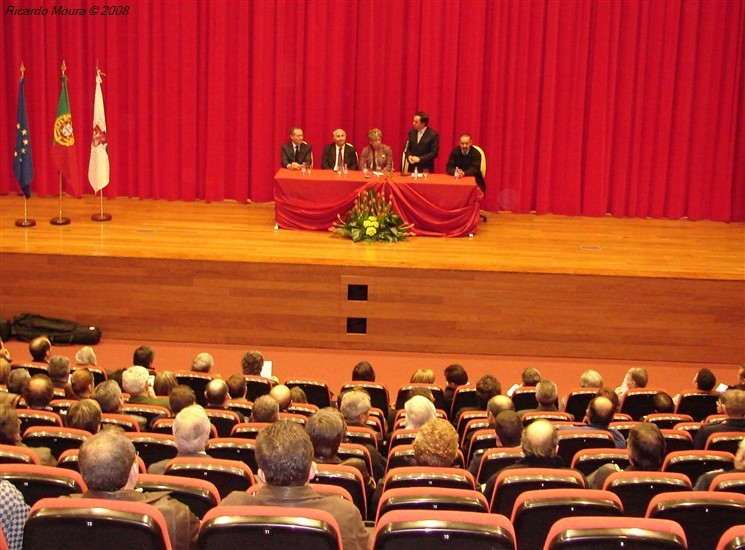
(28, 326)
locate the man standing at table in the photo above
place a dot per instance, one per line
(296, 152)
(464, 160)
(339, 153)
(423, 144)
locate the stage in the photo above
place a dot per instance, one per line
(525, 285)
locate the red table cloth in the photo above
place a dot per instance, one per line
(438, 206)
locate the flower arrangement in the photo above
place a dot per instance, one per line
(372, 219)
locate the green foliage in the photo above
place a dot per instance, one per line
(372, 219)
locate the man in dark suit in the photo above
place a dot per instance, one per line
(339, 153)
(296, 152)
(464, 160)
(423, 144)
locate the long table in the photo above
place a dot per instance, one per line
(438, 206)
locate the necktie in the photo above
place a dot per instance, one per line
(339, 160)
(297, 153)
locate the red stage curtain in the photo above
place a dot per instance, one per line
(584, 107)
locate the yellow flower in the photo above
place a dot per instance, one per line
(371, 231)
(375, 224)
(373, 218)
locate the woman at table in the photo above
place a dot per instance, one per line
(376, 156)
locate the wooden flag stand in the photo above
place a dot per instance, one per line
(60, 220)
(101, 216)
(25, 222)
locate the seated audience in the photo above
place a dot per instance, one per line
(13, 514)
(530, 377)
(547, 395)
(191, 430)
(39, 392)
(14, 381)
(703, 380)
(144, 356)
(85, 356)
(217, 396)
(81, 385)
(252, 363)
(486, 388)
(455, 376)
(363, 372)
(4, 370)
(40, 349)
(636, 377)
(109, 468)
(590, 379)
(419, 411)
(297, 395)
(164, 382)
(436, 444)
(355, 408)
(59, 370)
(202, 363)
(508, 425)
(704, 481)
(733, 405)
(284, 454)
(17, 380)
(136, 382)
(109, 396)
(265, 409)
(181, 397)
(282, 395)
(10, 434)
(599, 415)
(84, 415)
(663, 403)
(646, 453)
(237, 388)
(423, 377)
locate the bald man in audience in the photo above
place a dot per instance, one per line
(191, 430)
(217, 396)
(282, 395)
(39, 392)
(109, 468)
(599, 415)
(265, 409)
(540, 443)
(496, 405)
(40, 349)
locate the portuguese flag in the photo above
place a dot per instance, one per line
(63, 148)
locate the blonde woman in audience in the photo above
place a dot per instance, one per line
(81, 385)
(423, 377)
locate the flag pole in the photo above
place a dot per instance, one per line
(60, 220)
(101, 216)
(25, 222)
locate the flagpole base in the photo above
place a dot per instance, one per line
(25, 223)
(101, 217)
(60, 221)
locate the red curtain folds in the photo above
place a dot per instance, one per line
(584, 107)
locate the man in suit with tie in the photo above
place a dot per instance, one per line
(296, 152)
(339, 153)
(464, 160)
(423, 144)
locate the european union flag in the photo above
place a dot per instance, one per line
(23, 163)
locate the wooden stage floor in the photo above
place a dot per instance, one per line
(525, 285)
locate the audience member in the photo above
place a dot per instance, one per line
(704, 380)
(81, 384)
(355, 408)
(10, 434)
(663, 403)
(191, 430)
(646, 446)
(704, 481)
(455, 376)
(136, 382)
(339, 154)
(297, 395)
(203, 363)
(252, 363)
(15, 382)
(423, 376)
(284, 454)
(181, 396)
(13, 514)
(109, 396)
(419, 411)
(508, 425)
(530, 377)
(40, 349)
(363, 372)
(237, 388)
(733, 405)
(109, 468)
(163, 383)
(144, 356)
(217, 396)
(39, 392)
(422, 391)
(547, 395)
(636, 377)
(4, 370)
(59, 370)
(265, 409)
(590, 379)
(84, 415)
(282, 396)
(85, 357)
(599, 415)
(436, 444)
